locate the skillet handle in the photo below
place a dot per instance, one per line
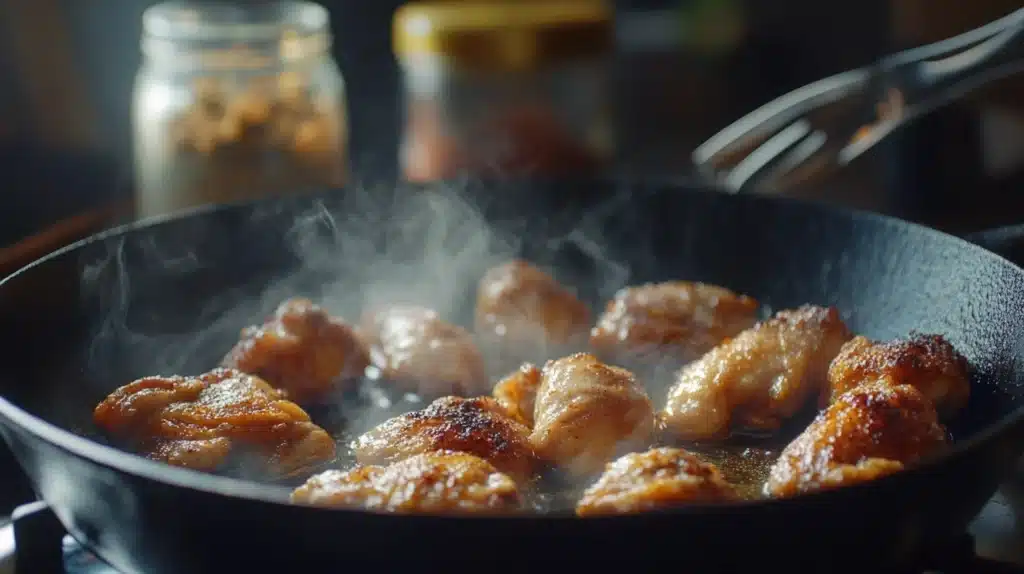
(1007, 242)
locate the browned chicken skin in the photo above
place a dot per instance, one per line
(587, 412)
(527, 314)
(675, 320)
(756, 380)
(416, 350)
(476, 426)
(517, 393)
(302, 350)
(872, 430)
(656, 479)
(437, 482)
(202, 422)
(927, 362)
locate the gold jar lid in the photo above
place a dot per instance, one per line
(504, 35)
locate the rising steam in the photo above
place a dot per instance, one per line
(159, 315)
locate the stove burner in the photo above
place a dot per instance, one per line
(44, 547)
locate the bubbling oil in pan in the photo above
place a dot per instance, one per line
(744, 466)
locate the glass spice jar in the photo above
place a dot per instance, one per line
(507, 88)
(236, 101)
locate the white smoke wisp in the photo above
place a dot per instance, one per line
(368, 246)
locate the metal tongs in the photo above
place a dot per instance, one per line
(821, 127)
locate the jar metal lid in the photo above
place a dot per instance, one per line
(233, 34)
(510, 34)
(232, 20)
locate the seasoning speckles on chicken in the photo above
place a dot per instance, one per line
(417, 351)
(206, 421)
(587, 412)
(676, 321)
(517, 393)
(478, 426)
(754, 381)
(527, 314)
(871, 430)
(657, 479)
(302, 350)
(926, 362)
(437, 482)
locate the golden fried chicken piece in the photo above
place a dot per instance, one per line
(677, 320)
(756, 380)
(302, 350)
(517, 393)
(527, 313)
(587, 413)
(417, 351)
(927, 362)
(438, 482)
(478, 426)
(657, 479)
(208, 421)
(871, 430)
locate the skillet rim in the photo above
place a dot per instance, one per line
(139, 467)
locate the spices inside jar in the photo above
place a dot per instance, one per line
(504, 87)
(219, 121)
(223, 125)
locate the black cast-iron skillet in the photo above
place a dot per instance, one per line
(169, 295)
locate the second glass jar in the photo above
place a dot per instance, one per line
(504, 88)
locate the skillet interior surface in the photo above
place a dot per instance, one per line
(171, 296)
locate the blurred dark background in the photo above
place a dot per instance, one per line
(787, 43)
(67, 68)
